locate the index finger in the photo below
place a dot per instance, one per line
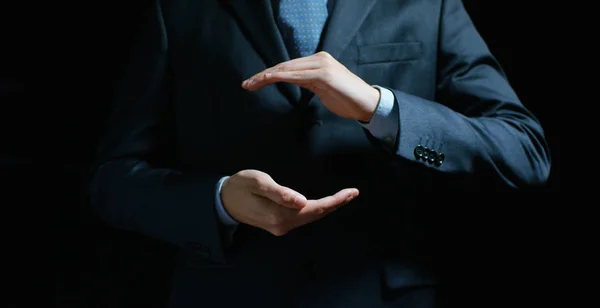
(299, 64)
(316, 209)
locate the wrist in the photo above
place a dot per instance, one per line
(373, 99)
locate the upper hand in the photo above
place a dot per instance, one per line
(340, 91)
(252, 197)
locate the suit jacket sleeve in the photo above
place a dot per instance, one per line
(477, 122)
(134, 185)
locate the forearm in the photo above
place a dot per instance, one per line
(506, 143)
(476, 127)
(161, 203)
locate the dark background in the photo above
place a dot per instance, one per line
(57, 65)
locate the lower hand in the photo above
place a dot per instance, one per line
(254, 198)
(340, 91)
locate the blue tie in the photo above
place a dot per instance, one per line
(301, 23)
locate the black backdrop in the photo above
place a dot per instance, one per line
(56, 70)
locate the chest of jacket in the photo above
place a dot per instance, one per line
(224, 128)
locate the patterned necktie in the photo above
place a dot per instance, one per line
(301, 23)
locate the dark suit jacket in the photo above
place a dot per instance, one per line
(182, 121)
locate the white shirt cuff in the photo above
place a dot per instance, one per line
(384, 123)
(224, 217)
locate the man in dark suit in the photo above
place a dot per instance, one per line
(246, 130)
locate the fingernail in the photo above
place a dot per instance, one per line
(353, 195)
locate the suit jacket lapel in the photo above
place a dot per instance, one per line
(344, 22)
(256, 20)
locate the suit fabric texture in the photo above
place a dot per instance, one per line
(182, 121)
